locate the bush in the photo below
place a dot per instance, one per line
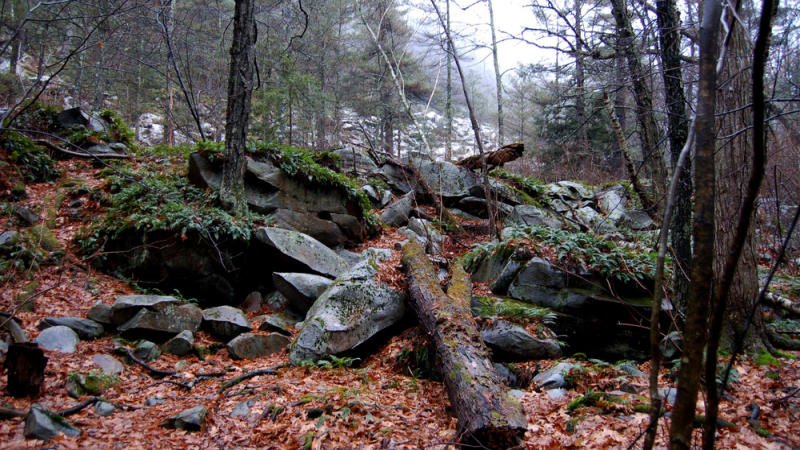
(33, 163)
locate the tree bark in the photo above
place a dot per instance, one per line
(240, 90)
(497, 77)
(702, 275)
(678, 122)
(487, 414)
(25, 363)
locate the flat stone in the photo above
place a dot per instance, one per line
(45, 425)
(126, 306)
(85, 328)
(303, 250)
(100, 313)
(59, 338)
(163, 323)
(301, 289)
(553, 377)
(283, 322)
(108, 364)
(188, 420)
(104, 409)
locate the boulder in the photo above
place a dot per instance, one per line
(506, 276)
(352, 310)
(85, 328)
(536, 279)
(301, 289)
(150, 129)
(509, 340)
(398, 212)
(162, 323)
(253, 303)
(189, 420)
(568, 190)
(449, 180)
(301, 250)
(612, 202)
(73, 118)
(225, 322)
(399, 178)
(180, 345)
(126, 306)
(45, 425)
(637, 220)
(326, 231)
(59, 339)
(356, 161)
(251, 346)
(533, 215)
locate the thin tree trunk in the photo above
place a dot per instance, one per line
(240, 90)
(648, 130)
(669, 37)
(695, 330)
(580, 84)
(497, 77)
(448, 106)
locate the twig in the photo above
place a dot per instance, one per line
(155, 373)
(79, 407)
(10, 413)
(269, 371)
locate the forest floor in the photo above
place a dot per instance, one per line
(374, 405)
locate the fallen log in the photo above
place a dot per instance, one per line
(488, 416)
(496, 158)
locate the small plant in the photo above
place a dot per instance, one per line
(93, 383)
(119, 130)
(418, 362)
(765, 358)
(33, 163)
(512, 310)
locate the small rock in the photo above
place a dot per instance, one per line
(104, 409)
(554, 377)
(180, 345)
(45, 425)
(153, 401)
(243, 408)
(556, 394)
(282, 322)
(631, 369)
(8, 238)
(126, 306)
(189, 420)
(301, 289)
(60, 339)
(313, 413)
(27, 216)
(147, 351)
(251, 346)
(108, 364)
(225, 322)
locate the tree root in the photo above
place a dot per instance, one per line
(269, 371)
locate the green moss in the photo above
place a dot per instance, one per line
(766, 359)
(512, 310)
(120, 131)
(33, 163)
(528, 185)
(305, 165)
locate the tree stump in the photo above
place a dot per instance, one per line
(25, 363)
(488, 416)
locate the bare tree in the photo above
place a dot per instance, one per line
(240, 90)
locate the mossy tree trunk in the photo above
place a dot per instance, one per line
(488, 416)
(240, 90)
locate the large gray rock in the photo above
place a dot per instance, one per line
(613, 202)
(637, 220)
(189, 420)
(225, 322)
(59, 339)
(73, 118)
(126, 306)
(303, 250)
(533, 215)
(301, 289)
(251, 346)
(45, 425)
(352, 310)
(509, 340)
(537, 273)
(357, 161)
(162, 323)
(398, 177)
(569, 190)
(397, 213)
(100, 313)
(85, 328)
(449, 180)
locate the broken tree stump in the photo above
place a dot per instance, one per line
(496, 158)
(25, 363)
(488, 416)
